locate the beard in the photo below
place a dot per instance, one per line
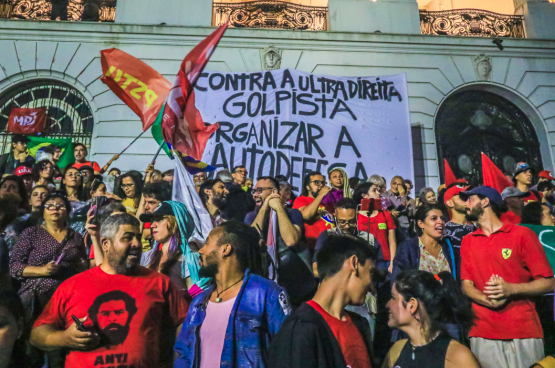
(475, 213)
(124, 266)
(314, 194)
(209, 266)
(115, 334)
(220, 202)
(459, 208)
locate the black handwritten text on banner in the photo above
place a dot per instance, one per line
(289, 122)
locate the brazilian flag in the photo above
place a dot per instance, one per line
(39, 143)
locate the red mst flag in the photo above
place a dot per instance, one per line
(492, 176)
(182, 124)
(26, 120)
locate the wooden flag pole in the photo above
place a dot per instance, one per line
(134, 140)
(157, 153)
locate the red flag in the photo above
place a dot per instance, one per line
(141, 87)
(449, 176)
(182, 124)
(27, 120)
(492, 176)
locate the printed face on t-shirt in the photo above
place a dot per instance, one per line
(111, 314)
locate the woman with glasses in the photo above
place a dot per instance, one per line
(129, 187)
(43, 173)
(45, 256)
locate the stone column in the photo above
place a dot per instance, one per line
(386, 16)
(171, 12)
(539, 17)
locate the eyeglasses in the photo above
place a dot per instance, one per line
(319, 182)
(57, 206)
(46, 167)
(76, 175)
(350, 222)
(241, 172)
(260, 190)
(127, 185)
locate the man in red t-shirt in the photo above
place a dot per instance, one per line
(321, 333)
(502, 267)
(80, 153)
(316, 216)
(130, 314)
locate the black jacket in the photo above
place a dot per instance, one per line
(306, 341)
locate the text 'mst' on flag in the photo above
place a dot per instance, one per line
(182, 125)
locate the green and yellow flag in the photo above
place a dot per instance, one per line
(39, 143)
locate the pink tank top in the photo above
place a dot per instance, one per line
(212, 333)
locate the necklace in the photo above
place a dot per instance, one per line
(419, 346)
(218, 299)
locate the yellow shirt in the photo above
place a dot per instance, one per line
(129, 205)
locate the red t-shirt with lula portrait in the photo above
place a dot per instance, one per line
(136, 317)
(313, 228)
(379, 226)
(349, 338)
(517, 256)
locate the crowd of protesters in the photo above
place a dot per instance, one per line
(99, 267)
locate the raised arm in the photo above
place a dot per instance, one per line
(105, 167)
(310, 210)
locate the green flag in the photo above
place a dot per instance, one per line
(156, 131)
(38, 143)
(546, 234)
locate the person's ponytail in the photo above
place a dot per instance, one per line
(440, 296)
(456, 308)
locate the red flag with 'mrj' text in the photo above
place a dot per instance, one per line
(492, 176)
(27, 120)
(182, 124)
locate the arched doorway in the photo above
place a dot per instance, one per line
(471, 122)
(69, 114)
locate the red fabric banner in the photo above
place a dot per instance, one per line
(27, 120)
(449, 176)
(492, 176)
(182, 124)
(141, 87)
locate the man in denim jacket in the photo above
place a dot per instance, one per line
(233, 322)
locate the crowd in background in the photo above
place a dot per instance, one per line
(99, 267)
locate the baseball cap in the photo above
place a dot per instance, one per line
(163, 209)
(22, 170)
(513, 192)
(485, 191)
(86, 167)
(453, 191)
(20, 138)
(546, 174)
(521, 167)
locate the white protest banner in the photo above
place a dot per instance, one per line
(290, 123)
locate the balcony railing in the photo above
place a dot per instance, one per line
(271, 14)
(72, 10)
(471, 22)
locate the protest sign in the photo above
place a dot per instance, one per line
(26, 120)
(290, 123)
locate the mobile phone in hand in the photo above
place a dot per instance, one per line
(80, 326)
(60, 258)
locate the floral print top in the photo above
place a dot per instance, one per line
(431, 264)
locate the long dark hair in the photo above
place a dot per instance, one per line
(443, 301)
(39, 166)
(137, 180)
(20, 189)
(245, 242)
(81, 195)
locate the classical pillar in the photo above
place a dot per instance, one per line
(385, 16)
(171, 12)
(539, 17)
